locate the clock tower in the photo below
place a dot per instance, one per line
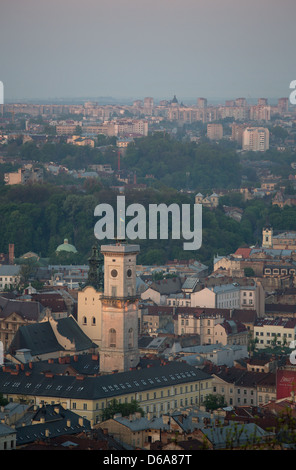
(119, 348)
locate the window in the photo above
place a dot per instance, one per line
(130, 338)
(93, 321)
(84, 321)
(113, 291)
(112, 338)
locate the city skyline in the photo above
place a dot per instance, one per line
(128, 50)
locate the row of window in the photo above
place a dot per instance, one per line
(92, 321)
(268, 333)
(164, 406)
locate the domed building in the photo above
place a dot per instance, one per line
(66, 247)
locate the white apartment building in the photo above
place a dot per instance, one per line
(232, 296)
(225, 296)
(278, 331)
(255, 139)
(9, 276)
(190, 323)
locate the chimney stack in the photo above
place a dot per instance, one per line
(11, 253)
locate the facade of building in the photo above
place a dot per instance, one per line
(158, 389)
(281, 241)
(255, 139)
(214, 131)
(232, 295)
(89, 314)
(211, 201)
(7, 437)
(9, 276)
(275, 331)
(14, 314)
(24, 176)
(243, 388)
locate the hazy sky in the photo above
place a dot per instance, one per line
(158, 48)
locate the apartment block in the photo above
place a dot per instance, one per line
(215, 131)
(24, 176)
(278, 331)
(255, 139)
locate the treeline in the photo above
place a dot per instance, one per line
(180, 164)
(73, 157)
(39, 217)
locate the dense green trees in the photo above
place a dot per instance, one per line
(125, 409)
(180, 164)
(39, 217)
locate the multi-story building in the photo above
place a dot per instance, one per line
(225, 296)
(24, 176)
(260, 112)
(283, 105)
(9, 276)
(232, 295)
(214, 131)
(202, 103)
(14, 314)
(66, 129)
(216, 327)
(255, 139)
(274, 332)
(211, 201)
(281, 241)
(158, 389)
(237, 133)
(243, 388)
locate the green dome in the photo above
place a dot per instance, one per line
(66, 246)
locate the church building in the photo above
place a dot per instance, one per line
(108, 306)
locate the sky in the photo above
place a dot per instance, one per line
(131, 49)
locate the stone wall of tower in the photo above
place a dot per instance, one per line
(89, 313)
(119, 347)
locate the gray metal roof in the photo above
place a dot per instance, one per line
(235, 433)
(104, 386)
(4, 430)
(58, 421)
(40, 339)
(9, 270)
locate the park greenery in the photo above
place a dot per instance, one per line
(39, 217)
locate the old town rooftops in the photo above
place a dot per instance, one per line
(95, 388)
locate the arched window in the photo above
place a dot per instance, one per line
(93, 321)
(84, 320)
(112, 338)
(130, 338)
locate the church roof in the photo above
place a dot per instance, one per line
(66, 246)
(41, 339)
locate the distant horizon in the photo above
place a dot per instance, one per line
(130, 99)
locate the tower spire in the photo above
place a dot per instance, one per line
(95, 273)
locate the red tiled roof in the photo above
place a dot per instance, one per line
(244, 252)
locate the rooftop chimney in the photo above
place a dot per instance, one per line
(11, 253)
